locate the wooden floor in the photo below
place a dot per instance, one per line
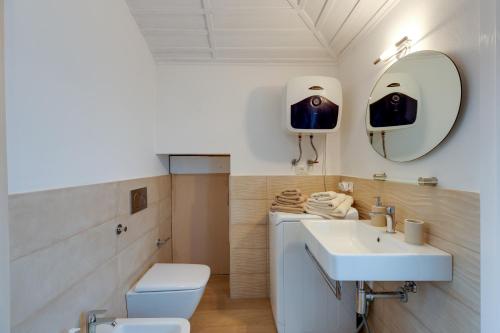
(218, 313)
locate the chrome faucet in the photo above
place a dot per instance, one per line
(391, 219)
(93, 321)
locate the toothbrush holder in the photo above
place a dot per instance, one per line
(414, 231)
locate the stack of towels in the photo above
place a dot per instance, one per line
(329, 204)
(289, 201)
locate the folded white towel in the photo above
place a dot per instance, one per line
(324, 196)
(343, 208)
(329, 211)
(332, 203)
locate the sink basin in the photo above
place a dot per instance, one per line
(349, 250)
(147, 325)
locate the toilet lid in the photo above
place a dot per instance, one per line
(170, 277)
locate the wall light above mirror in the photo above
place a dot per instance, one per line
(413, 106)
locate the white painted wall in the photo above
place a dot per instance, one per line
(80, 94)
(4, 225)
(490, 164)
(238, 110)
(450, 26)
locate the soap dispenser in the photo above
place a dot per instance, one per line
(378, 214)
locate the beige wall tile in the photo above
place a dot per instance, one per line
(71, 240)
(166, 228)
(42, 276)
(39, 219)
(248, 285)
(249, 261)
(466, 284)
(64, 312)
(332, 183)
(137, 225)
(307, 184)
(248, 211)
(437, 311)
(397, 319)
(134, 256)
(165, 254)
(248, 187)
(452, 224)
(246, 236)
(164, 187)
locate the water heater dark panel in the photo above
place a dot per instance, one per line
(393, 110)
(315, 112)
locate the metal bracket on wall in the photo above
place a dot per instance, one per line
(380, 176)
(427, 181)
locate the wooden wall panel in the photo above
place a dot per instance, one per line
(200, 220)
(452, 224)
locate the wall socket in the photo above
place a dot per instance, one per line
(346, 187)
(301, 170)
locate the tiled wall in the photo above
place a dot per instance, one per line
(66, 257)
(452, 224)
(250, 199)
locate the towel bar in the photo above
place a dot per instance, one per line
(332, 284)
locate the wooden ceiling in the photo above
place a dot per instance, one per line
(305, 31)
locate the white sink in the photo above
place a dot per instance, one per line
(350, 250)
(146, 325)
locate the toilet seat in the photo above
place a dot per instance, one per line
(173, 277)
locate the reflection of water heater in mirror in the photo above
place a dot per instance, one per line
(313, 104)
(393, 103)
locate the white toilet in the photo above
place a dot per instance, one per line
(168, 290)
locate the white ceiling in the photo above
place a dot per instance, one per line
(312, 31)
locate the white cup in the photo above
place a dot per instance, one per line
(414, 231)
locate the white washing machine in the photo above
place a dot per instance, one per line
(301, 300)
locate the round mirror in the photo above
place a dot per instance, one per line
(413, 106)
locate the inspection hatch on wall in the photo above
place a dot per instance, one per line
(254, 30)
(200, 211)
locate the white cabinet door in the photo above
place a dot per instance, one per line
(310, 306)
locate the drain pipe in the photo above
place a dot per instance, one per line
(365, 295)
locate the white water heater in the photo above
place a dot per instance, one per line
(313, 104)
